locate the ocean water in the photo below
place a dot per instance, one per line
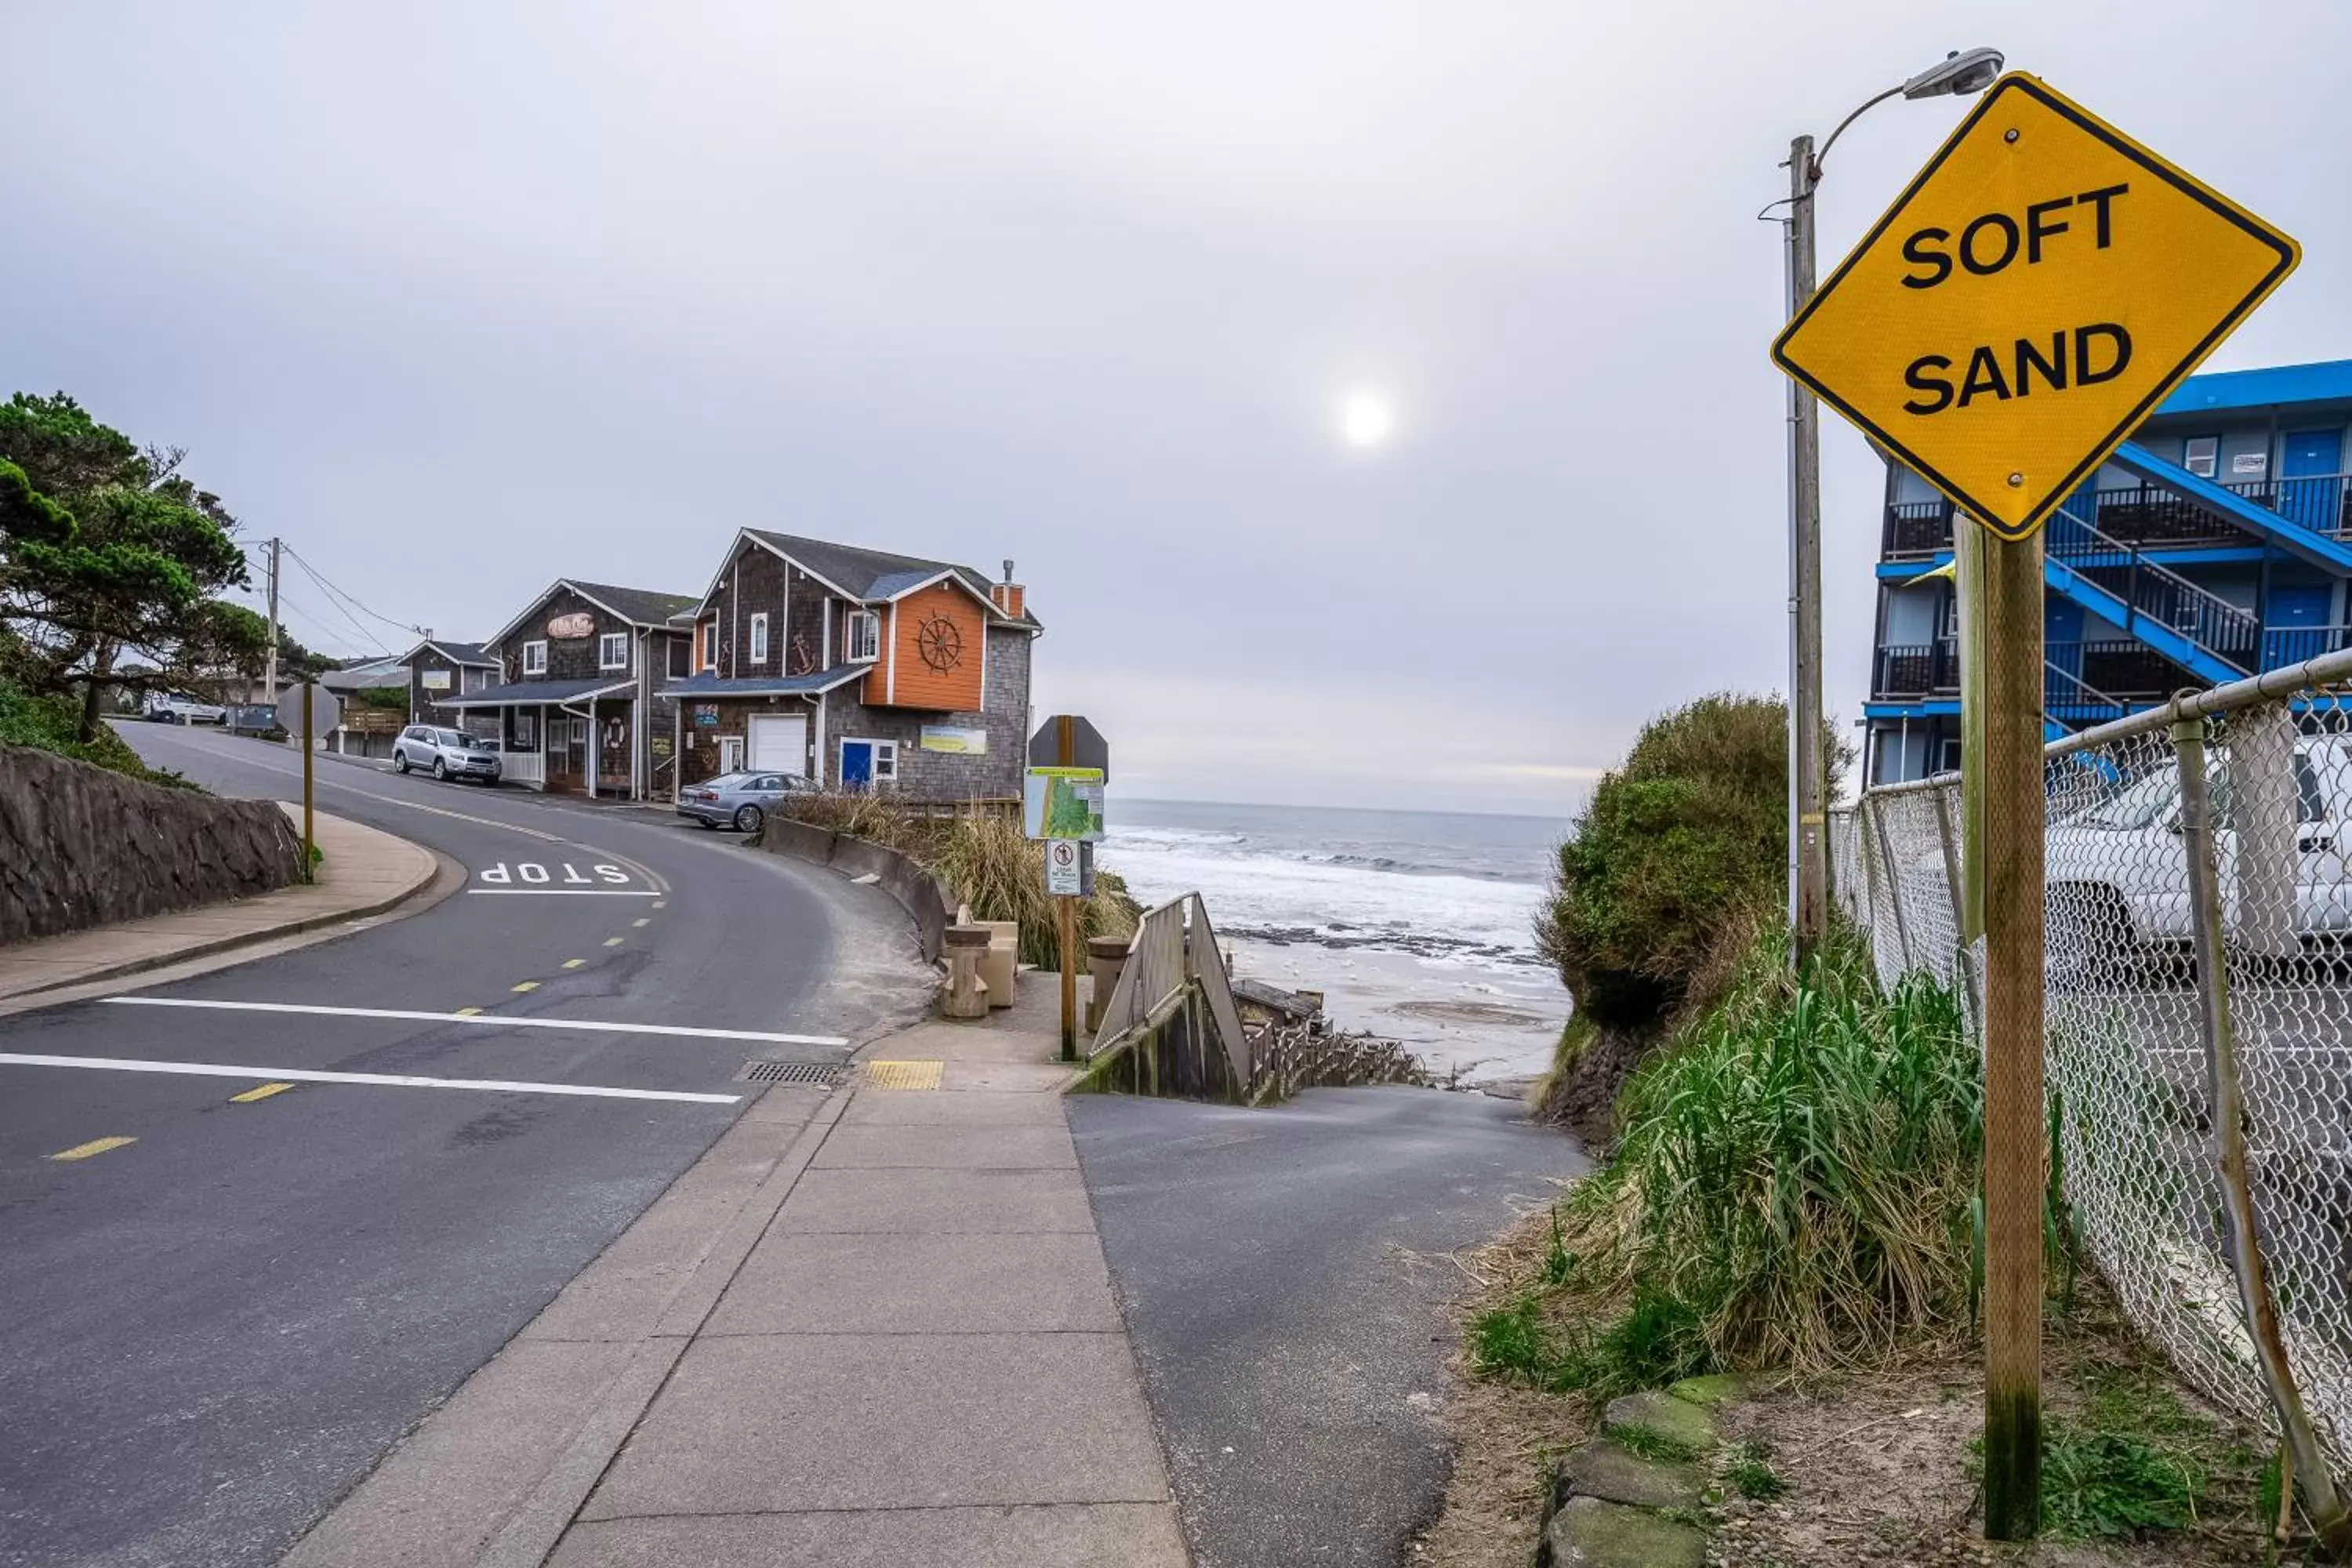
(1416, 925)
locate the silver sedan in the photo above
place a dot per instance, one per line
(739, 800)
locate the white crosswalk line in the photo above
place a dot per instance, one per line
(505, 1020)
(380, 1079)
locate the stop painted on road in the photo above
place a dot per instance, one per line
(558, 876)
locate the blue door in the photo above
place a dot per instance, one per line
(2296, 628)
(2311, 482)
(857, 764)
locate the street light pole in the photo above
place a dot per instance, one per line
(1956, 75)
(1808, 842)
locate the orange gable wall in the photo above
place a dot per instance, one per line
(919, 685)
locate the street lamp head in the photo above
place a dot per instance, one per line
(1960, 74)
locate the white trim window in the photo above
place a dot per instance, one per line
(473, 678)
(865, 636)
(711, 644)
(526, 731)
(759, 637)
(2201, 455)
(534, 658)
(885, 761)
(613, 651)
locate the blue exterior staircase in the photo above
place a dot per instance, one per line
(2203, 633)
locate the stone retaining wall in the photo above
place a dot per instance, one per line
(82, 847)
(925, 900)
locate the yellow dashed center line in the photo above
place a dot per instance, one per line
(95, 1146)
(573, 962)
(262, 1092)
(613, 941)
(468, 1012)
(527, 985)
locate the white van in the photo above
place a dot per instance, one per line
(179, 708)
(2117, 872)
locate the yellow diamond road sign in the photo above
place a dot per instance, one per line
(2035, 293)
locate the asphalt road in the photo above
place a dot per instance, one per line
(1284, 1276)
(208, 1334)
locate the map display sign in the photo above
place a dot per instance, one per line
(1063, 803)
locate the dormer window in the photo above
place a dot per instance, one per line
(613, 651)
(534, 658)
(865, 635)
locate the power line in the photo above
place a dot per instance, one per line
(319, 626)
(336, 593)
(366, 636)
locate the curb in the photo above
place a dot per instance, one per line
(436, 868)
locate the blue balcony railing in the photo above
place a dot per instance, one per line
(2145, 516)
(2284, 646)
(1915, 528)
(1917, 670)
(2153, 515)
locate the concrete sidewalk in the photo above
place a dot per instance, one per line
(364, 872)
(872, 1326)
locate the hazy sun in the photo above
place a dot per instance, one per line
(1365, 419)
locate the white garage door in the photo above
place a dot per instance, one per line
(779, 742)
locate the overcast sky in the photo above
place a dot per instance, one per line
(458, 297)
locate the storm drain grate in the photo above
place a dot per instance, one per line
(824, 1073)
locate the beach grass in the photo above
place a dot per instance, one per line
(1791, 1190)
(985, 860)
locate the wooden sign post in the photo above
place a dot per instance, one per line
(309, 853)
(2008, 607)
(1068, 763)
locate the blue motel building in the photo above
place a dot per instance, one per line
(2215, 544)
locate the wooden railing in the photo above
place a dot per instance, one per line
(1172, 961)
(1152, 976)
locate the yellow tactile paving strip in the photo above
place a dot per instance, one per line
(903, 1075)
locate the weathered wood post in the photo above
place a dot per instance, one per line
(310, 838)
(2010, 770)
(1065, 917)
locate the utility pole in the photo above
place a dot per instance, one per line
(269, 678)
(1807, 841)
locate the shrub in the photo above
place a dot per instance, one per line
(1672, 861)
(50, 723)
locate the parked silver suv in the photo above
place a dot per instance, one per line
(444, 753)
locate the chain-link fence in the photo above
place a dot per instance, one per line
(2131, 1066)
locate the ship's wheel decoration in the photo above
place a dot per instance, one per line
(939, 643)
